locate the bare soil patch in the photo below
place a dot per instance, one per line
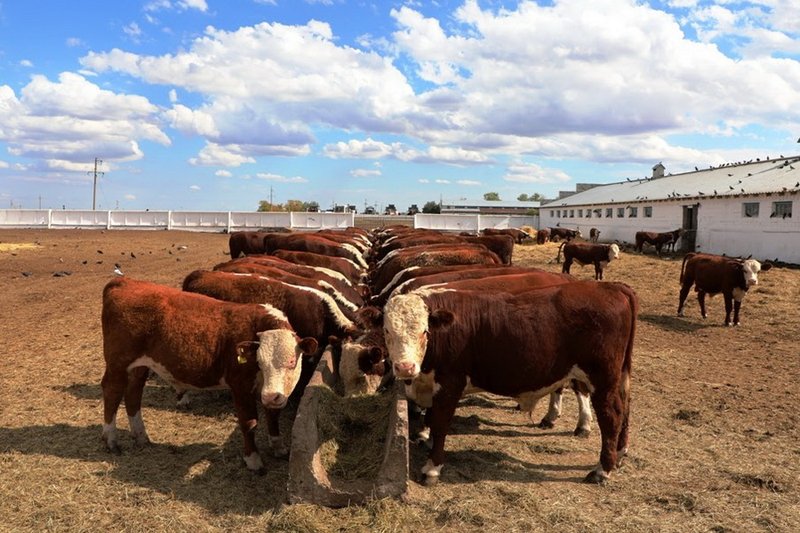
(714, 432)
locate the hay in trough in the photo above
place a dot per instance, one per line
(352, 432)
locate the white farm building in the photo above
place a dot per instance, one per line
(735, 209)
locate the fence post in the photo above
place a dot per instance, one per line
(230, 221)
(108, 219)
(169, 220)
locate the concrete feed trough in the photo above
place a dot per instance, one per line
(356, 465)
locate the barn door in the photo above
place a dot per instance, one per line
(690, 228)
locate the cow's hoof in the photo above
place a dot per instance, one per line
(736, 323)
(545, 424)
(582, 433)
(727, 324)
(596, 477)
(280, 453)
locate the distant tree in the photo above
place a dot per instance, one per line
(432, 207)
(491, 197)
(295, 205)
(265, 206)
(313, 207)
(535, 197)
(522, 197)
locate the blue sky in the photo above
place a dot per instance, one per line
(212, 105)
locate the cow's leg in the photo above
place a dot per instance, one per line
(275, 440)
(737, 304)
(701, 299)
(553, 409)
(133, 403)
(682, 298)
(584, 427)
(728, 307)
(567, 265)
(610, 409)
(441, 414)
(598, 271)
(247, 414)
(113, 385)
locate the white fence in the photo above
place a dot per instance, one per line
(178, 220)
(237, 220)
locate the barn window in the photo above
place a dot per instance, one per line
(781, 210)
(750, 209)
(634, 212)
(571, 213)
(580, 213)
(620, 212)
(648, 212)
(552, 213)
(609, 212)
(588, 213)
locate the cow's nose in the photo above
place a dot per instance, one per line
(404, 370)
(273, 400)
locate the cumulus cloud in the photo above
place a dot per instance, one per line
(371, 149)
(65, 124)
(3, 164)
(27, 63)
(130, 197)
(521, 172)
(469, 183)
(72, 42)
(223, 174)
(364, 172)
(194, 188)
(178, 5)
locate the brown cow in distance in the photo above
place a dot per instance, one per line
(585, 253)
(714, 274)
(521, 346)
(542, 236)
(594, 235)
(564, 233)
(518, 234)
(193, 341)
(657, 239)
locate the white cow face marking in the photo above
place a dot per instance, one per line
(613, 252)
(405, 322)
(278, 359)
(751, 268)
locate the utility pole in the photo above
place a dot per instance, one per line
(95, 173)
(270, 198)
(40, 201)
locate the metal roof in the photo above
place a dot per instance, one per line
(490, 203)
(728, 180)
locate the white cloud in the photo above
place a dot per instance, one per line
(130, 197)
(178, 5)
(469, 182)
(532, 173)
(27, 63)
(194, 188)
(223, 174)
(3, 164)
(281, 179)
(226, 156)
(173, 96)
(424, 180)
(72, 42)
(443, 182)
(364, 173)
(132, 30)
(69, 122)
(371, 149)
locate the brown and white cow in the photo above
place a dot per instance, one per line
(657, 239)
(242, 243)
(585, 253)
(310, 242)
(714, 274)
(518, 234)
(542, 236)
(594, 235)
(193, 341)
(352, 271)
(523, 346)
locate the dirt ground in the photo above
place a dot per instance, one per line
(714, 431)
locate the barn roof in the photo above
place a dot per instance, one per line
(728, 180)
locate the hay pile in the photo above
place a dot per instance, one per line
(352, 433)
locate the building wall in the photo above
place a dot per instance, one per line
(722, 226)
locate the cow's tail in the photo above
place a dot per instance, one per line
(558, 256)
(683, 265)
(625, 374)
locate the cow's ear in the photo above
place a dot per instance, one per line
(364, 291)
(765, 266)
(334, 341)
(308, 345)
(376, 354)
(440, 318)
(370, 316)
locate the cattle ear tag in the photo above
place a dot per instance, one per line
(241, 358)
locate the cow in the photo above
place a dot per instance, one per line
(309, 242)
(523, 346)
(594, 235)
(502, 245)
(245, 243)
(193, 341)
(564, 233)
(714, 274)
(584, 253)
(657, 239)
(353, 272)
(518, 234)
(542, 236)
(452, 254)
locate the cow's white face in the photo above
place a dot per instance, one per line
(405, 324)
(613, 252)
(278, 359)
(751, 268)
(354, 380)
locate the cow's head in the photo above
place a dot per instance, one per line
(751, 268)
(361, 366)
(278, 353)
(613, 252)
(406, 323)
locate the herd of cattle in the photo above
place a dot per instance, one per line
(447, 314)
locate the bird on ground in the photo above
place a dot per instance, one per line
(118, 269)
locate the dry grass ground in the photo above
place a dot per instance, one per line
(714, 430)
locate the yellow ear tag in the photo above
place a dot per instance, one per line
(241, 359)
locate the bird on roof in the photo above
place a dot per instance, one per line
(696, 168)
(790, 166)
(797, 184)
(742, 190)
(730, 187)
(701, 193)
(715, 192)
